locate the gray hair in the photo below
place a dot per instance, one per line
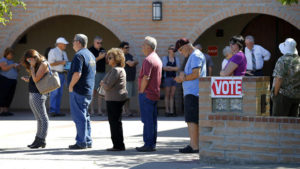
(83, 39)
(198, 46)
(97, 38)
(151, 42)
(226, 50)
(250, 38)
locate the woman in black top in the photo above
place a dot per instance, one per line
(37, 67)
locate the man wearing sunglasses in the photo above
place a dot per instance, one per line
(99, 53)
(130, 68)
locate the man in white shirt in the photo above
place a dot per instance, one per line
(57, 58)
(256, 55)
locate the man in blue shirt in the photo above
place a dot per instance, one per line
(194, 68)
(81, 79)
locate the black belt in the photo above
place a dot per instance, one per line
(255, 70)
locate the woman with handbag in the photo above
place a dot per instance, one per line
(114, 84)
(37, 67)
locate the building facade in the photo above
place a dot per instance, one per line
(210, 23)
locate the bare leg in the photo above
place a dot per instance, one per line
(167, 101)
(194, 135)
(172, 93)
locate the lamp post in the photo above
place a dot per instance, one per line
(157, 11)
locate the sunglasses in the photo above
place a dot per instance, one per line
(171, 49)
(99, 43)
(127, 47)
(110, 58)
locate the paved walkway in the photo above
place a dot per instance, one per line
(19, 130)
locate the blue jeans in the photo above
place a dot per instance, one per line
(149, 118)
(79, 112)
(56, 95)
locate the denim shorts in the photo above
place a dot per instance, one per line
(191, 108)
(169, 81)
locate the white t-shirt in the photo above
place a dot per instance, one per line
(55, 55)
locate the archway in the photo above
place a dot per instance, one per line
(268, 31)
(44, 34)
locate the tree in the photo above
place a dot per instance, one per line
(288, 2)
(6, 7)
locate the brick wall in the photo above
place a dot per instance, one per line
(246, 136)
(131, 20)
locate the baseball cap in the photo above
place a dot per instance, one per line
(288, 47)
(62, 40)
(180, 42)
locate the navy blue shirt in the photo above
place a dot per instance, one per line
(83, 62)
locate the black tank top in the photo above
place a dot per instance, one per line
(31, 86)
(172, 64)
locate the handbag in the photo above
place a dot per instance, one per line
(49, 82)
(101, 91)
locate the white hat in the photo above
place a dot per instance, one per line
(288, 47)
(62, 40)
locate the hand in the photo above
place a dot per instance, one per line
(178, 79)
(70, 89)
(26, 79)
(32, 62)
(101, 55)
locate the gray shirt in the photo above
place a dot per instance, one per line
(115, 80)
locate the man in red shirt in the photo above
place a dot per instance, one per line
(149, 93)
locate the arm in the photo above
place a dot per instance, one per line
(100, 56)
(76, 76)
(228, 71)
(266, 54)
(5, 67)
(144, 83)
(277, 85)
(209, 70)
(52, 61)
(194, 75)
(40, 73)
(110, 80)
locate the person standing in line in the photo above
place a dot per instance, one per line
(195, 67)
(130, 68)
(149, 93)
(81, 79)
(114, 84)
(237, 64)
(57, 57)
(286, 85)
(256, 56)
(37, 66)
(8, 81)
(99, 53)
(228, 54)
(171, 65)
(209, 61)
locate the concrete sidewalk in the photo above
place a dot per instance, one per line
(19, 130)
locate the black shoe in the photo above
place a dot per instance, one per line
(145, 149)
(33, 143)
(115, 149)
(57, 114)
(89, 146)
(76, 147)
(6, 114)
(188, 149)
(39, 143)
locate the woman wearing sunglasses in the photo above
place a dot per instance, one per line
(114, 84)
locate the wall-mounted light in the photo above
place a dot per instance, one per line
(156, 11)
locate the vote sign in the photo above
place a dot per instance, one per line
(226, 87)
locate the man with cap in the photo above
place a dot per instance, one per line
(57, 58)
(285, 91)
(195, 67)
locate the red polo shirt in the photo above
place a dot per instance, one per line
(152, 67)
